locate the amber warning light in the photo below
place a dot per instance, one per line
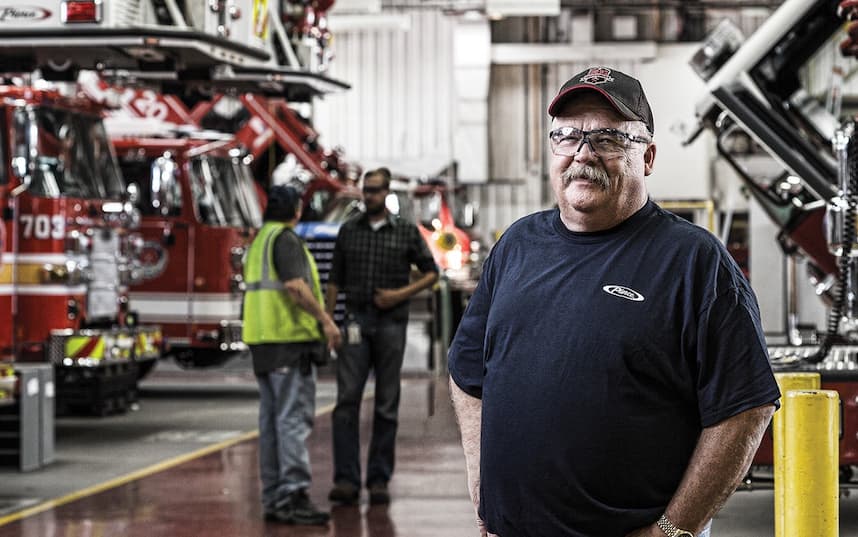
(84, 11)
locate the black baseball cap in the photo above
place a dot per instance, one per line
(285, 194)
(282, 203)
(622, 91)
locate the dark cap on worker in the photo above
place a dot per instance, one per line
(282, 202)
(625, 93)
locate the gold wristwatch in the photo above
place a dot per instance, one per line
(670, 530)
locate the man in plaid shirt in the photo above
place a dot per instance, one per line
(372, 266)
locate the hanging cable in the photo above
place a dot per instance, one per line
(847, 240)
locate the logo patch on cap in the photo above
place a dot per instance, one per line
(597, 75)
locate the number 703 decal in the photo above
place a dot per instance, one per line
(43, 226)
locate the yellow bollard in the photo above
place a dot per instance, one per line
(811, 494)
(786, 382)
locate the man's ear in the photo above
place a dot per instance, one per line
(649, 159)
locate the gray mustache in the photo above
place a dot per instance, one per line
(594, 175)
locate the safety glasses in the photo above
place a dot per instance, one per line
(568, 141)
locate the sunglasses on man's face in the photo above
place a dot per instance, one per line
(373, 189)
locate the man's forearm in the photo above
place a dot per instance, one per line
(388, 298)
(300, 292)
(427, 279)
(721, 459)
(469, 415)
(331, 298)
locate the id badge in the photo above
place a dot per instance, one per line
(353, 333)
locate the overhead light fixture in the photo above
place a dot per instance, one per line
(472, 15)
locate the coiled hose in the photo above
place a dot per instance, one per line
(846, 243)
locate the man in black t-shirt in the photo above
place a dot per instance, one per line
(610, 374)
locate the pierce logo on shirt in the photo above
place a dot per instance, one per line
(623, 292)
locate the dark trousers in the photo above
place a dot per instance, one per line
(381, 349)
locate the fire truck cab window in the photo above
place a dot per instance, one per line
(160, 189)
(73, 155)
(217, 193)
(249, 200)
(104, 158)
(4, 176)
(21, 144)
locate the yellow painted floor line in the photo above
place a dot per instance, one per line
(144, 472)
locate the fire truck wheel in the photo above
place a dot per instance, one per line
(846, 474)
(143, 368)
(196, 358)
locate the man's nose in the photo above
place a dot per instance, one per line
(585, 152)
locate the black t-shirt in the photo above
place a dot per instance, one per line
(290, 261)
(599, 357)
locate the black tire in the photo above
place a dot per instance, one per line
(144, 367)
(199, 358)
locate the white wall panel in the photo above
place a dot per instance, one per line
(398, 112)
(471, 75)
(507, 120)
(672, 87)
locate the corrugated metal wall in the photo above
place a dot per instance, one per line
(399, 110)
(518, 99)
(518, 153)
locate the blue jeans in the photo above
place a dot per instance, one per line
(381, 349)
(287, 401)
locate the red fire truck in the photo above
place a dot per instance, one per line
(199, 213)
(181, 47)
(8, 381)
(66, 243)
(432, 204)
(69, 253)
(758, 102)
(212, 215)
(271, 124)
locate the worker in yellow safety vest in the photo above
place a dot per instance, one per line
(287, 330)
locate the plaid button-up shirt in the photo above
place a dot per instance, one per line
(365, 260)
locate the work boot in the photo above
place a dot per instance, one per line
(344, 493)
(378, 494)
(298, 509)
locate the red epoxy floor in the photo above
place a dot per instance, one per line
(218, 494)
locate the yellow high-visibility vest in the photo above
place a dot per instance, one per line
(270, 314)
